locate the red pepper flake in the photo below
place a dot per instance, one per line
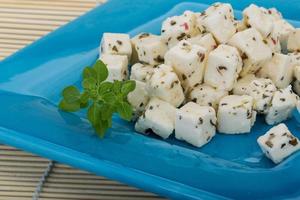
(185, 25)
(273, 40)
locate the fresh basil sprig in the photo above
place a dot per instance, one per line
(100, 97)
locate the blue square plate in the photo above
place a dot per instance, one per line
(30, 85)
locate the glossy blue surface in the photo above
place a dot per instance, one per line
(30, 83)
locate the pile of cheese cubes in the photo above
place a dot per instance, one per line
(209, 71)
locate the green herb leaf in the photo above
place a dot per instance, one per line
(128, 86)
(69, 107)
(102, 99)
(125, 110)
(101, 71)
(71, 94)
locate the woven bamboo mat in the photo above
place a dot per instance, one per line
(21, 173)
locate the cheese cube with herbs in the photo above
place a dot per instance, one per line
(117, 66)
(138, 98)
(165, 85)
(279, 70)
(177, 28)
(262, 91)
(235, 114)
(116, 43)
(254, 51)
(293, 43)
(205, 95)
(278, 143)
(223, 66)
(242, 84)
(141, 72)
(150, 49)
(218, 19)
(195, 124)
(297, 72)
(257, 18)
(204, 40)
(188, 62)
(283, 103)
(282, 28)
(158, 117)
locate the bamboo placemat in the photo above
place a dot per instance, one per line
(21, 173)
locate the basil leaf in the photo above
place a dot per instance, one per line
(89, 72)
(101, 71)
(89, 83)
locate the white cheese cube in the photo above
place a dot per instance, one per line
(296, 87)
(235, 114)
(293, 43)
(177, 28)
(240, 25)
(116, 44)
(205, 95)
(218, 19)
(297, 72)
(274, 14)
(165, 85)
(282, 28)
(206, 40)
(195, 124)
(256, 17)
(117, 66)
(188, 62)
(278, 143)
(141, 72)
(150, 49)
(159, 117)
(253, 50)
(283, 102)
(223, 66)
(278, 69)
(241, 86)
(138, 98)
(262, 91)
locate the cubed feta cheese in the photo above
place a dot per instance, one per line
(293, 43)
(241, 86)
(278, 143)
(116, 44)
(150, 49)
(138, 98)
(256, 17)
(282, 28)
(195, 124)
(262, 91)
(158, 117)
(218, 19)
(165, 85)
(141, 72)
(278, 69)
(223, 66)
(205, 95)
(188, 62)
(297, 72)
(117, 66)
(253, 50)
(206, 40)
(283, 102)
(235, 114)
(177, 28)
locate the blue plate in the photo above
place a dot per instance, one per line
(30, 85)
